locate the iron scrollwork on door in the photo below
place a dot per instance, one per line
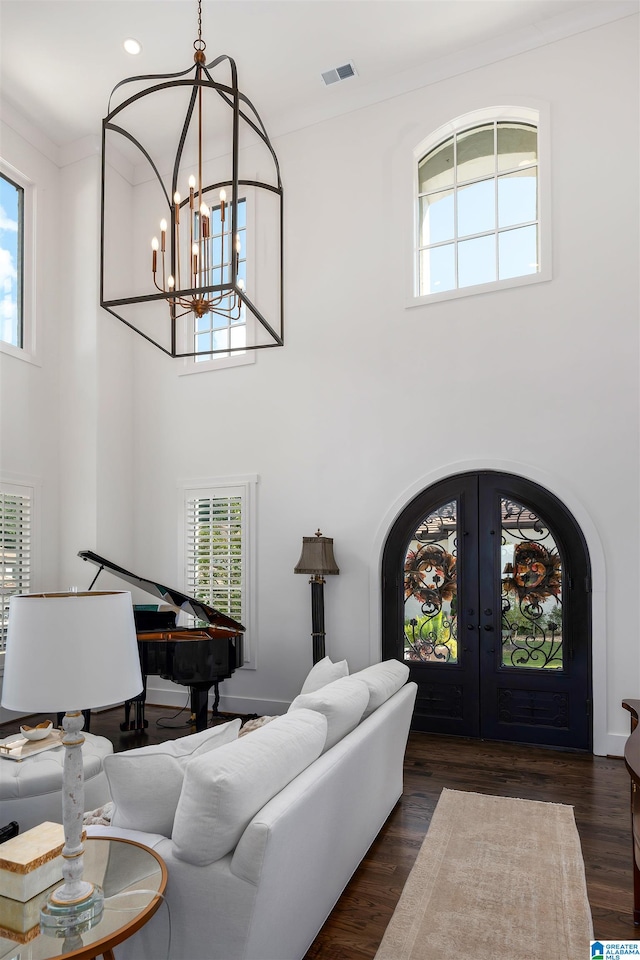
(431, 589)
(531, 591)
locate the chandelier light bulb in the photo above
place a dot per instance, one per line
(223, 196)
(154, 244)
(192, 182)
(163, 225)
(176, 198)
(170, 282)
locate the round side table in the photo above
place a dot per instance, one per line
(133, 878)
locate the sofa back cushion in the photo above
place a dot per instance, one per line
(145, 783)
(324, 672)
(382, 681)
(342, 702)
(224, 790)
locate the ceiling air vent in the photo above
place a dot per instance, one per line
(339, 73)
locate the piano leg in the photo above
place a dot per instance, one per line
(139, 723)
(200, 704)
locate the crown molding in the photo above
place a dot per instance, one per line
(560, 27)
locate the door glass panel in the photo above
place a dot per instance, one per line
(431, 589)
(531, 591)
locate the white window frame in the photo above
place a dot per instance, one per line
(28, 349)
(28, 490)
(190, 364)
(537, 116)
(244, 487)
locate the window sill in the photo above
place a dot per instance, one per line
(478, 289)
(18, 353)
(207, 366)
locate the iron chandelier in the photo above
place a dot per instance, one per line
(212, 282)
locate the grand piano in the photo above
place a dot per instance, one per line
(198, 657)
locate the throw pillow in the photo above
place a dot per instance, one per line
(145, 783)
(382, 680)
(223, 791)
(324, 672)
(342, 702)
(252, 725)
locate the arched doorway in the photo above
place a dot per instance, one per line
(486, 596)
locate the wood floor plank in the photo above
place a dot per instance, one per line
(596, 787)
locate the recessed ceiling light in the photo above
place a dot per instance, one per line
(132, 46)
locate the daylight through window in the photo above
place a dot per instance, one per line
(215, 570)
(15, 548)
(478, 218)
(11, 261)
(216, 331)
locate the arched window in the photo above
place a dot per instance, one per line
(478, 210)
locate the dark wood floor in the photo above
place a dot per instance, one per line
(596, 787)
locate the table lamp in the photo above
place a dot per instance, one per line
(318, 560)
(71, 652)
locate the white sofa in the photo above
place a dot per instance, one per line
(265, 831)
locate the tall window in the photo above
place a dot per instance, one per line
(214, 552)
(478, 205)
(215, 331)
(11, 261)
(218, 556)
(16, 515)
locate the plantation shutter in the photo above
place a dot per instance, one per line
(214, 554)
(15, 548)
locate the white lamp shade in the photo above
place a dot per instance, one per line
(70, 651)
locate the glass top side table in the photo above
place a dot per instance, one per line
(133, 878)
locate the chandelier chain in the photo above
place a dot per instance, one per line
(199, 44)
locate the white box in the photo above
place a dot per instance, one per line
(31, 862)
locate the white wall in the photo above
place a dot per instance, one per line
(542, 378)
(29, 420)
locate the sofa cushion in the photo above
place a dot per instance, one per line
(382, 680)
(342, 702)
(224, 790)
(145, 783)
(324, 672)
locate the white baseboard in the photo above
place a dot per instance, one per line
(610, 745)
(180, 698)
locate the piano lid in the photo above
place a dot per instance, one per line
(197, 608)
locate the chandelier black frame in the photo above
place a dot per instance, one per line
(200, 295)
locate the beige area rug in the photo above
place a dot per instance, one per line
(496, 879)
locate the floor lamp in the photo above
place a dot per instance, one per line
(71, 651)
(317, 559)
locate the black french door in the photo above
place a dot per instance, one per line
(486, 597)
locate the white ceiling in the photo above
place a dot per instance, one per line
(60, 59)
